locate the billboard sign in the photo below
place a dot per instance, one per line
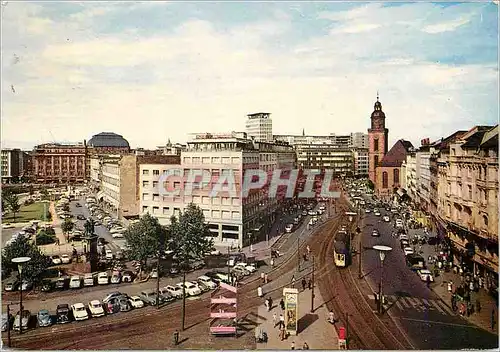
(291, 310)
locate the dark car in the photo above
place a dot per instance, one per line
(78, 205)
(63, 314)
(124, 303)
(213, 276)
(46, 285)
(80, 217)
(43, 318)
(62, 283)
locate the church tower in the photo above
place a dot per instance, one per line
(377, 140)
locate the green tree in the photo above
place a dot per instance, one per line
(13, 204)
(67, 226)
(145, 238)
(33, 270)
(190, 235)
(46, 236)
(45, 194)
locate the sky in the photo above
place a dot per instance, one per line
(158, 70)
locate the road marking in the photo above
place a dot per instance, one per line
(399, 305)
(371, 297)
(414, 302)
(434, 304)
(426, 302)
(445, 307)
(405, 303)
(442, 323)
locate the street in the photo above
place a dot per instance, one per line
(426, 319)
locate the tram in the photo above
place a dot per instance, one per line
(341, 249)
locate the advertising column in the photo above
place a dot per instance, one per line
(291, 310)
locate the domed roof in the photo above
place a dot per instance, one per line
(108, 139)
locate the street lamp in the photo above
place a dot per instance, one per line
(20, 261)
(382, 250)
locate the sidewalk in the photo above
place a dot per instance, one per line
(488, 304)
(313, 328)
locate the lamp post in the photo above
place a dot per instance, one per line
(20, 261)
(382, 250)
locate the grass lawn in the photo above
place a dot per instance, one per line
(26, 213)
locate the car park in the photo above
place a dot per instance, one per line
(136, 302)
(102, 278)
(75, 282)
(63, 314)
(205, 280)
(175, 291)
(149, 297)
(22, 319)
(43, 318)
(65, 259)
(96, 309)
(190, 289)
(79, 312)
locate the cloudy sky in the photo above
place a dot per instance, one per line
(153, 71)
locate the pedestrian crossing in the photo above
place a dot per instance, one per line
(417, 304)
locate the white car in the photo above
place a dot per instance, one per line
(215, 252)
(191, 289)
(403, 237)
(288, 228)
(79, 311)
(311, 212)
(248, 267)
(116, 230)
(109, 254)
(136, 302)
(375, 233)
(386, 218)
(175, 291)
(88, 280)
(367, 211)
(96, 309)
(116, 278)
(56, 260)
(65, 259)
(424, 273)
(103, 278)
(75, 282)
(408, 250)
(207, 281)
(377, 213)
(117, 235)
(7, 226)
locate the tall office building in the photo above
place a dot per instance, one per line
(260, 127)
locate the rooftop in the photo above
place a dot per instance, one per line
(108, 139)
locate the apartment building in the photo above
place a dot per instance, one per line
(410, 175)
(233, 220)
(59, 163)
(468, 199)
(259, 126)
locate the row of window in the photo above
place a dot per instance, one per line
(395, 178)
(214, 214)
(205, 200)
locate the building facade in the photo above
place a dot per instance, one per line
(468, 200)
(361, 162)
(260, 127)
(410, 166)
(424, 155)
(326, 156)
(377, 139)
(388, 175)
(59, 163)
(233, 220)
(104, 143)
(11, 165)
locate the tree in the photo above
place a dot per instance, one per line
(12, 201)
(45, 194)
(190, 235)
(32, 271)
(89, 227)
(67, 226)
(370, 185)
(46, 236)
(145, 238)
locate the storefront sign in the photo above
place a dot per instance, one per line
(291, 310)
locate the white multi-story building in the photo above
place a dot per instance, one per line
(424, 175)
(361, 162)
(232, 219)
(410, 175)
(260, 127)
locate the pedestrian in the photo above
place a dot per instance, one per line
(266, 279)
(270, 303)
(266, 303)
(428, 279)
(282, 321)
(293, 281)
(292, 346)
(282, 304)
(272, 263)
(275, 319)
(262, 277)
(309, 284)
(308, 249)
(259, 291)
(450, 286)
(305, 346)
(471, 286)
(478, 306)
(304, 283)
(176, 337)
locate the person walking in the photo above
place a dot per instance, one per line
(428, 280)
(282, 304)
(275, 319)
(293, 281)
(292, 346)
(282, 321)
(450, 286)
(308, 250)
(309, 284)
(478, 306)
(305, 346)
(270, 303)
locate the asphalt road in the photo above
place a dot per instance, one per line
(425, 318)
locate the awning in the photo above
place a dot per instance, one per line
(100, 195)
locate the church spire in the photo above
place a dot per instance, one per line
(377, 94)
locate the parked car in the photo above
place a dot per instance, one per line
(202, 287)
(65, 259)
(190, 289)
(79, 311)
(128, 276)
(424, 274)
(46, 285)
(102, 278)
(62, 283)
(22, 320)
(75, 282)
(44, 318)
(116, 277)
(408, 250)
(248, 267)
(205, 280)
(386, 218)
(136, 302)
(124, 303)
(56, 260)
(96, 309)
(175, 291)
(239, 271)
(109, 254)
(88, 279)
(6, 321)
(149, 297)
(11, 285)
(80, 217)
(288, 228)
(111, 295)
(7, 226)
(375, 233)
